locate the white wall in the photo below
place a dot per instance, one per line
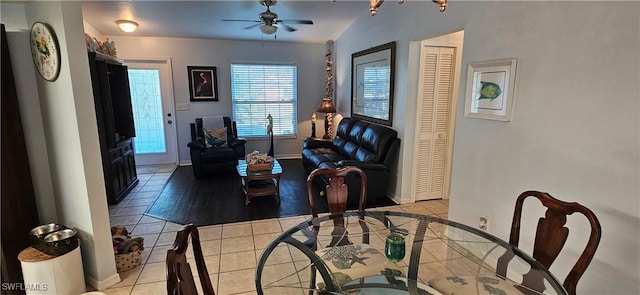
(14, 18)
(575, 127)
(309, 58)
(89, 29)
(69, 142)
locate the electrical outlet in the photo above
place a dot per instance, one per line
(182, 106)
(484, 223)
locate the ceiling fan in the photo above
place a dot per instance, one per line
(269, 22)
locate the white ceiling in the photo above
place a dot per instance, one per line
(203, 19)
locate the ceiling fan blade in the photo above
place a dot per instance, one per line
(241, 20)
(288, 28)
(298, 21)
(252, 26)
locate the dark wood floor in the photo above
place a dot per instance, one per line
(218, 199)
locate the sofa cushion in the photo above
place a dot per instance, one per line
(329, 165)
(349, 149)
(365, 156)
(344, 126)
(377, 139)
(307, 153)
(338, 143)
(329, 157)
(355, 134)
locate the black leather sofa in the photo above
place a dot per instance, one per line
(213, 160)
(373, 148)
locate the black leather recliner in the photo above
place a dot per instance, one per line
(212, 160)
(373, 148)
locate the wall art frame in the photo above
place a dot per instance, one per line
(372, 84)
(490, 89)
(203, 83)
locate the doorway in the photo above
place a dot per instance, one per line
(152, 101)
(435, 115)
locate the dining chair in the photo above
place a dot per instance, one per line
(337, 194)
(353, 266)
(551, 235)
(180, 280)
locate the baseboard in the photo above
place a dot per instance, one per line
(101, 285)
(396, 199)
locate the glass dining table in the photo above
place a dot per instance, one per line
(387, 252)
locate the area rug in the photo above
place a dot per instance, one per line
(219, 198)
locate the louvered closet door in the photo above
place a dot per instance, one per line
(432, 166)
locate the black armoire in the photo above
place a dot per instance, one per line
(116, 129)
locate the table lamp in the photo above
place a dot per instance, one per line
(327, 107)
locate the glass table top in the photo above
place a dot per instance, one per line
(384, 252)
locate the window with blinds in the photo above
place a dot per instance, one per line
(258, 90)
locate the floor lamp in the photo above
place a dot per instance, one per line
(327, 107)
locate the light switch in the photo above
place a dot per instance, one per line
(182, 106)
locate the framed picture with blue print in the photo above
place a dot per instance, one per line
(490, 89)
(203, 83)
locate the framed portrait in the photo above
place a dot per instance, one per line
(372, 76)
(490, 87)
(203, 83)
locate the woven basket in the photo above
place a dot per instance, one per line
(127, 261)
(259, 167)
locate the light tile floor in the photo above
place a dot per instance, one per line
(231, 250)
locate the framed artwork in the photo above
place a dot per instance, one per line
(203, 83)
(372, 76)
(490, 87)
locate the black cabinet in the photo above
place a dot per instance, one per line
(115, 124)
(123, 167)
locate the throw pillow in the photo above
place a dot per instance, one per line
(216, 138)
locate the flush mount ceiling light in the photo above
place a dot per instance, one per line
(127, 25)
(268, 29)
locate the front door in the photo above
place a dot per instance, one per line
(153, 112)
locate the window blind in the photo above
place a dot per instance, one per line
(259, 90)
(376, 91)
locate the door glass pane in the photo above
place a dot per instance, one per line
(146, 100)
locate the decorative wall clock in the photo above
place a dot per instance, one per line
(44, 50)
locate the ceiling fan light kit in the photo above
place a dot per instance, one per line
(268, 29)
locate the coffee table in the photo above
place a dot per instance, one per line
(261, 182)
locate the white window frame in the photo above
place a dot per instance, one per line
(264, 87)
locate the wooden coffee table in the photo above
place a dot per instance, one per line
(260, 183)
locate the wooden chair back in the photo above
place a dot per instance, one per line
(337, 193)
(179, 277)
(551, 235)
